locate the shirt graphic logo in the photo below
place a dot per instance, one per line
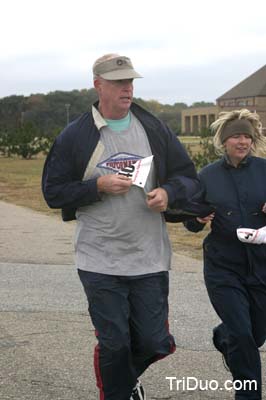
(119, 161)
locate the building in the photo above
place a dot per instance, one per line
(249, 93)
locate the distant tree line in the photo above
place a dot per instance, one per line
(29, 124)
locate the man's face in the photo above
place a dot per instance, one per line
(115, 97)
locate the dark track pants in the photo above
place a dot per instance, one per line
(130, 316)
(240, 302)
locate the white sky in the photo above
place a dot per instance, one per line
(187, 50)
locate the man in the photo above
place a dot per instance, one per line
(122, 248)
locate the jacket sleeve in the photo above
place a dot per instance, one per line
(182, 184)
(62, 184)
(193, 225)
(181, 178)
(185, 191)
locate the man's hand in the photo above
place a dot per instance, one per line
(157, 200)
(114, 184)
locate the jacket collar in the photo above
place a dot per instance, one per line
(243, 163)
(98, 119)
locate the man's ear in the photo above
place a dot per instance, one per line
(97, 83)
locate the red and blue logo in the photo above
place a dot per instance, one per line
(119, 161)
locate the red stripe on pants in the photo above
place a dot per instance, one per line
(97, 371)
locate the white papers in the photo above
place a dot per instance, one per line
(138, 171)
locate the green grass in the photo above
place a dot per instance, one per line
(20, 183)
(190, 139)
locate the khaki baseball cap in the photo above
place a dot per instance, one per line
(114, 67)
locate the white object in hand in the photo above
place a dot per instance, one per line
(138, 171)
(255, 236)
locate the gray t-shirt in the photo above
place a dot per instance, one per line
(120, 235)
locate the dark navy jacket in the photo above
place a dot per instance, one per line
(238, 195)
(67, 160)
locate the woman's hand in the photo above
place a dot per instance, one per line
(207, 219)
(264, 208)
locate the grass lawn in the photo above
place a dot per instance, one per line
(192, 143)
(20, 183)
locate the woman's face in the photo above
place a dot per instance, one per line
(237, 147)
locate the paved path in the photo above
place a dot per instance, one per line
(46, 338)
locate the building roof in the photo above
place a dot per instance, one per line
(254, 85)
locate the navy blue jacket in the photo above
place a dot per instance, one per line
(67, 160)
(238, 195)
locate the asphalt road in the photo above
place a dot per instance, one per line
(47, 340)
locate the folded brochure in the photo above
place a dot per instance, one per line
(138, 171)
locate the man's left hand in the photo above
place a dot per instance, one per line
(157, 200)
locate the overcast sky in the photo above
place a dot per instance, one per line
(187, 50)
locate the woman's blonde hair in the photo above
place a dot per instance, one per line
(258, 147)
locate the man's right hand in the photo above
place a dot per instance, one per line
(114, 184)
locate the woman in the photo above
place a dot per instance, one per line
(235, 271)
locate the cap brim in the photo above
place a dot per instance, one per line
(121, 74)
